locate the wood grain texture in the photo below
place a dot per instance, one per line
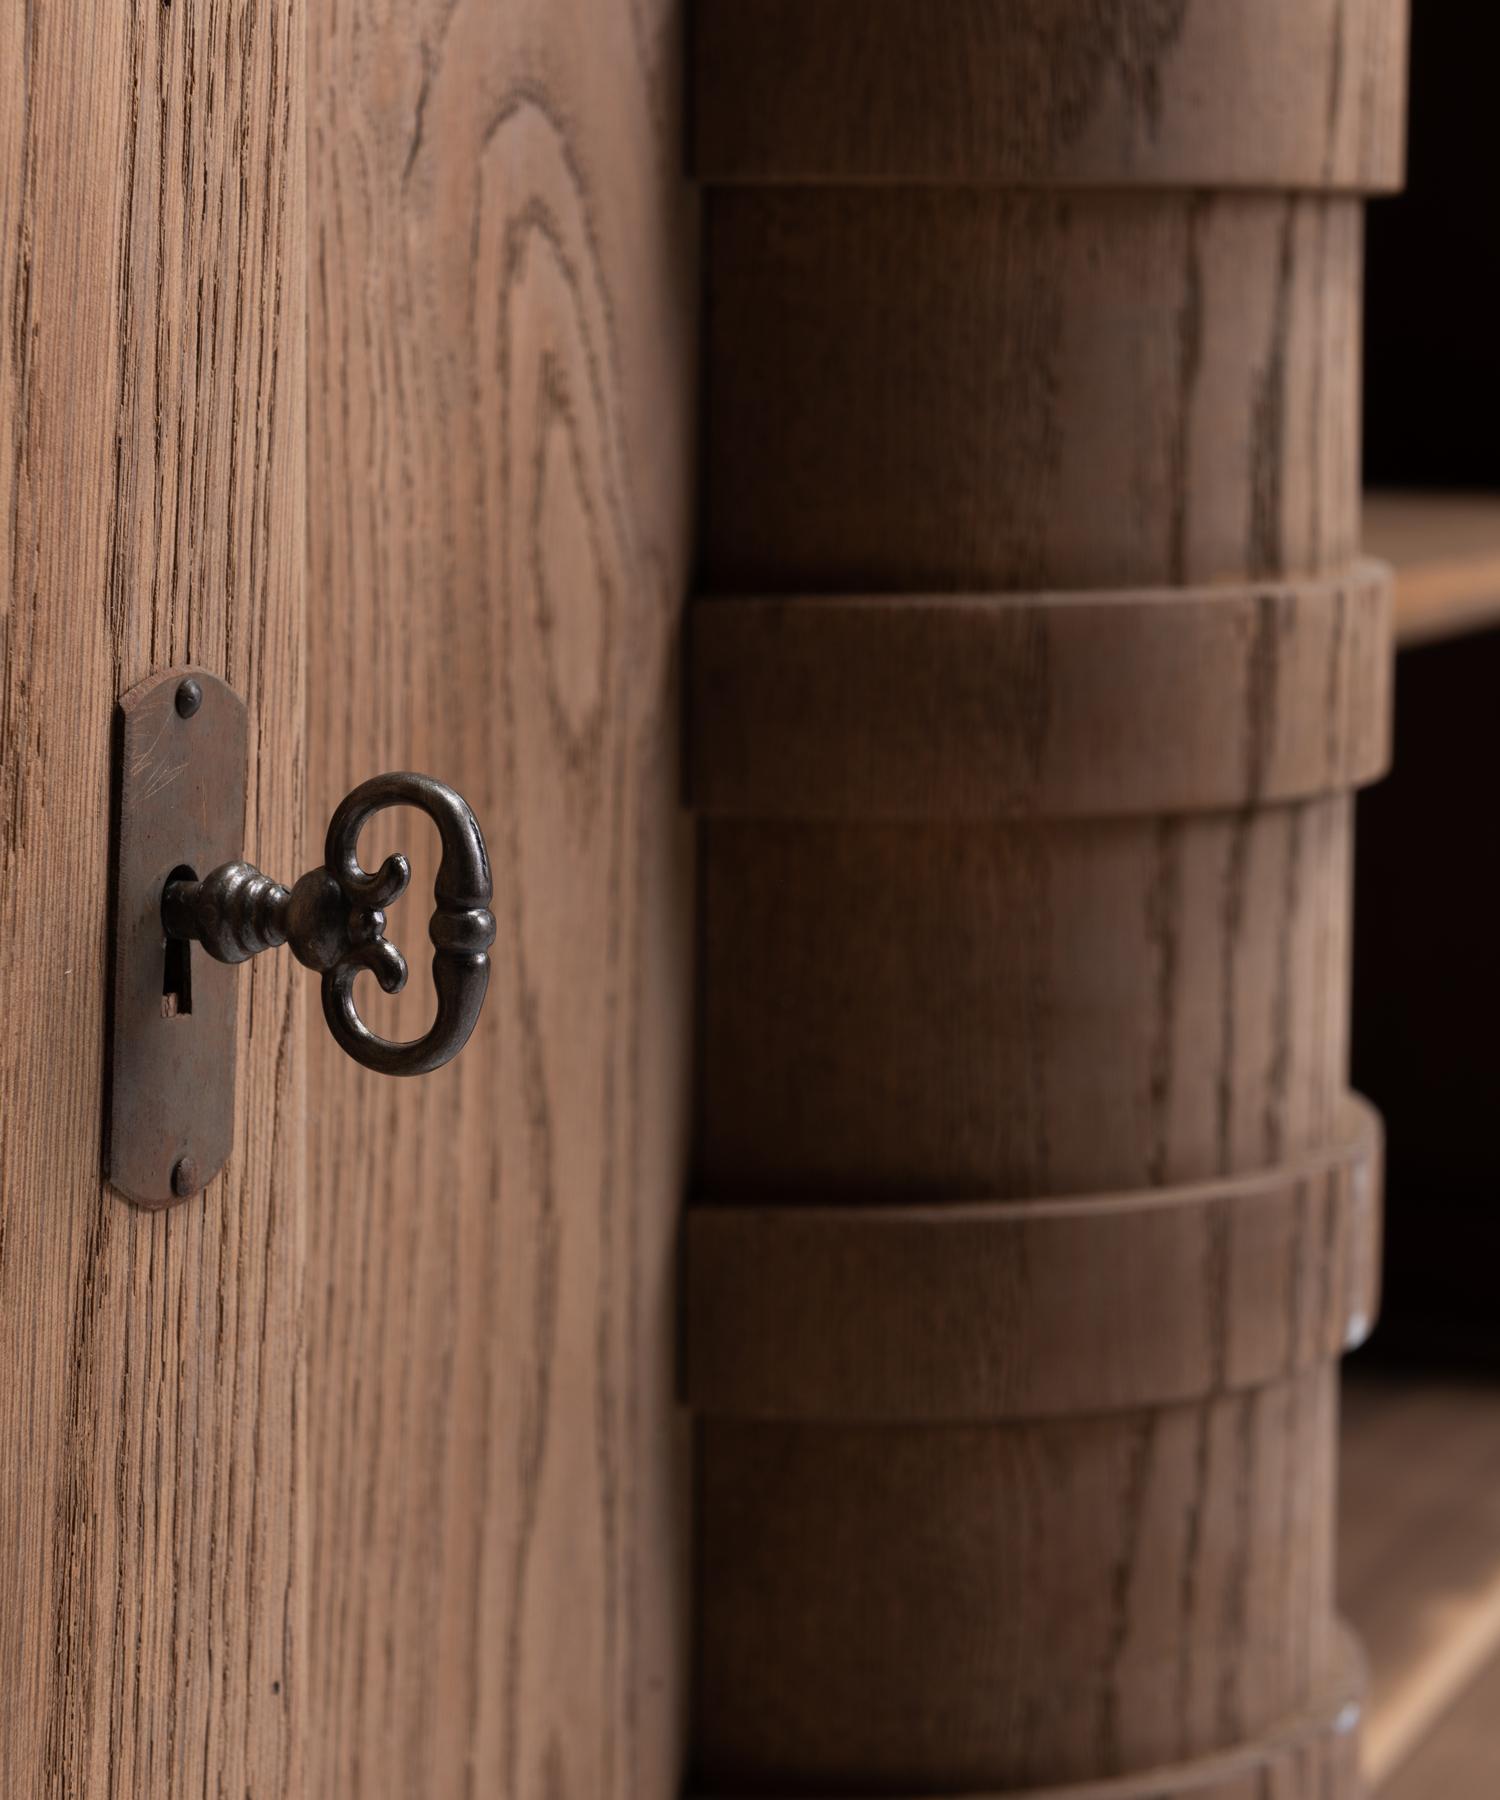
(152, 260)
(1313, 1756)
(1040, 706)
(1065, 1636)
(1103, 92)
(1458, 1761)
(1419, 1553)
(950, 396)
(1083, 1008)
(501, 402)
(1033, 1309)
(1097, 390)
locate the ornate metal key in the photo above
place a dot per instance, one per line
(180, 809)
(334, 920)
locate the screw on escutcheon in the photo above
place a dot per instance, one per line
(184, 1177)
(189, 697)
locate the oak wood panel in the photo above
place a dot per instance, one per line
(152, 261)
(1101, 92)
(502, 350)
(1096, 390)
(1419, 1551)
(1445, 549)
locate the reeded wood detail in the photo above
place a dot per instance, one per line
(1035, 666)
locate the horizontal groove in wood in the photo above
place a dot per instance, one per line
(1207, 93)
(1419, 1538)
(1445, 551)
(1045, 705)
(1033, 1309)
(1313, 1757)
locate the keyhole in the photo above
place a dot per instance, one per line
(177, 964)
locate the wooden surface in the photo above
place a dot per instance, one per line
(1032, 1310)
(1004, 916)
(152, 270)
(1082, 1569)
(1461, 1758)
(1445, 549)
(1132, 389)
(1070, 91)
(503, 310)
(1084, 1008)
(1419, 1562)
(1014, 706)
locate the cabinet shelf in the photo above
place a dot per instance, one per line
(1445, 549)
(1419, 1551)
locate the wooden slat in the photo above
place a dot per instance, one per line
(1446, 552)
(152, 273)
(1419, 1552)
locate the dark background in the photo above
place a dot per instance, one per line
(1426, 1042)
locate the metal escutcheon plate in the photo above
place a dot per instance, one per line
(180, 775)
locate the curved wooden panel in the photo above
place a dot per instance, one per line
(1314, 1756)
(1049, 705)
(1090, 1596)
(964, 390)
(920, 1012)
(153, 268)
(1033, 1308)
(1195, 93)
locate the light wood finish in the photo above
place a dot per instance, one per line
(1445, 549)
(1460, 1759)
(1419, 1557)
(152, 263)
(1040, 706)
(1310, 1757)
(501, 399)
(1070, 91)
(951, 398)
